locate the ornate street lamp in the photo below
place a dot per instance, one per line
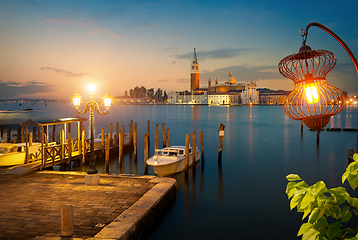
(92, 106)
(313, 100)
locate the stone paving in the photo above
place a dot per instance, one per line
(30, 205)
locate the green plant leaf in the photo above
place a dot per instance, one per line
(355, 157)
(346, 215)
(334, 211)
(290, 186)
(307, 210)
(295, 200)
(352, 201)
(345, 176)
(311, 234)
(293, 177)
(353, 181)
(304, 227)
(319, 187)
(307, 199)
(332, 231)
(316, 212)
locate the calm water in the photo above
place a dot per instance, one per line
(244, 197)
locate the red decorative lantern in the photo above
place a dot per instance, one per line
(313, 100)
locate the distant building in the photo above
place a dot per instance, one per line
(194, 75)
(229, 92)
(273, 97)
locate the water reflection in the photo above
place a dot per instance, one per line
(195, 112)
(250, 134)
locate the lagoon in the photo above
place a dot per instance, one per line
(244, 196)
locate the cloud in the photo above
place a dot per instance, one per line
(96, 32)
(243, 73)
(67, 73)
(13, 90)
(182, 80)
(118, 35)
(61, 20)
(164, 80)
(222, 53)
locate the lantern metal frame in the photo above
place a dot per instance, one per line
(309, 68)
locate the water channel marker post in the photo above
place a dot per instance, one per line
(221, 136)
(92, 176)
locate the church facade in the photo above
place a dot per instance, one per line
(229, 92)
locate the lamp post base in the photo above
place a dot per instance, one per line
(92, 179)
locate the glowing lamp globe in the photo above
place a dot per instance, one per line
(76, 100)
(92, 87)
(312, 100)
(107, 101)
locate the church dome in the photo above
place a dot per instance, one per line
(231, 79)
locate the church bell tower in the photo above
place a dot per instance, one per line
(194, 83)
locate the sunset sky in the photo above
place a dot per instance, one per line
(52, 49)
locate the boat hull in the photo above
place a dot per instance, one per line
(19, 157)
(176, 167)
(11, 159)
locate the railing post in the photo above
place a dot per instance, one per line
(83, 140)
(69, 147)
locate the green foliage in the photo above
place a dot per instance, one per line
(327, 209)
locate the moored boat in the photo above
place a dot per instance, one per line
(15, 153)
(171, 160)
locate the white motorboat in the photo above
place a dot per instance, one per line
(15, 153)
(171, 160)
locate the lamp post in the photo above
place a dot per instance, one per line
(313, 100)
(92, 106)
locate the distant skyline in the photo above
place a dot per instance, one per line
(52, 49)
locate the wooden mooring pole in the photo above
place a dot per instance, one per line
(202, 145)
(18, 134)
(168, 138)
(193, 148)
(156, 143)
(131, 135)
(187, 138)
(102, 142)
(135, 141)
(146, 153)
(120, 148)
(164, 137)
(117, 133)
(148, 132)
(8, 137)
(107, 153)
(30, 139)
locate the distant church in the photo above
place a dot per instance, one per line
(228, 92)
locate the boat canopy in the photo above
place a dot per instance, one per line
(32, 123)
